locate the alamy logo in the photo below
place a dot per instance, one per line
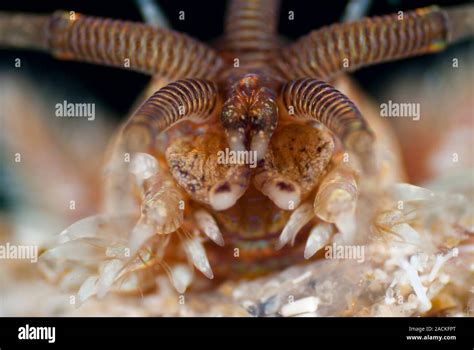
(19, 252)
(395, 110)
(37, 333)
(73, 110)
(343, 252)
(237, 157)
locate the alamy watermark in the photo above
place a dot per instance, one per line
(75, 110)
(19, 252)
(345, 252)
(237, 157)
(37, 333)
(400, 110)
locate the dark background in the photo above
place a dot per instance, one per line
(117, 89)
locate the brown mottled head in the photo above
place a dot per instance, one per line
(250, 114)
(201, 167)
(296, 159)
(294, 164)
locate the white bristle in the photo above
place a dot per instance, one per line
(346, 225)
(88, 289)
(301, 278)
(301, 306)
(439, 262)
(207, 224)
(300, 217)
(108, 275)
(197, 255)
(182, 276)
(140, 234)
(318, 238)
(407, 233)
(416, 285)
(407, 192)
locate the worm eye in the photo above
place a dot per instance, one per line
(285, 186)
(225, 187)
(196, 166)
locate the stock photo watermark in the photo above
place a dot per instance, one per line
(345, 252)
(237, 157)
(19, 252)
(67, 109)
(37, 333)
(392, 109)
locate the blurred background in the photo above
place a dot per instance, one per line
(62, 158)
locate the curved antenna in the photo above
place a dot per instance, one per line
(123, 44)
(317, 100)
(250, 29)
(23, 31)
(180, 100)
(343, 47)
